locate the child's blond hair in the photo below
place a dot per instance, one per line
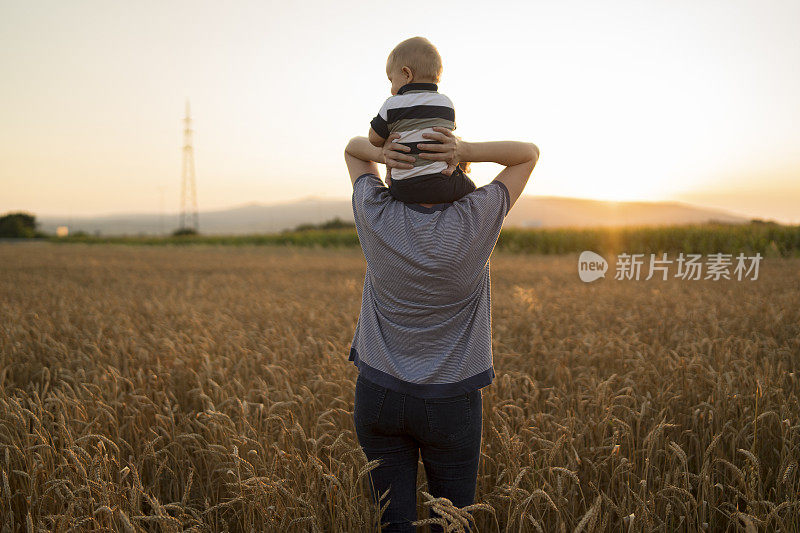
(418, 54)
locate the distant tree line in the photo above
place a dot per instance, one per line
(336, 223)
(19, 225)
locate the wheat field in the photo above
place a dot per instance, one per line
(207, 388)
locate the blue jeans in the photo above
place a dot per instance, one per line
(397, 427)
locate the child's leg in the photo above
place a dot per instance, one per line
(433, 189)
(461, 184)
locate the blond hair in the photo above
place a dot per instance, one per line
(418, 54)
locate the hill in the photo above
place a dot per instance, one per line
(530, 211)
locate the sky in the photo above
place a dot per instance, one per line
(659, 101)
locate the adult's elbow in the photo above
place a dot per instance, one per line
(534, 154)
(530, 157)
(350, 143)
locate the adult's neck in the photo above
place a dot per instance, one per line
(427, 205)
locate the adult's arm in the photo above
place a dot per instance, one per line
(360, 156)
(519, 158)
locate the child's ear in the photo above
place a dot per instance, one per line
(408, 74)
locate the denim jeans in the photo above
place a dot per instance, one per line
(397, 428)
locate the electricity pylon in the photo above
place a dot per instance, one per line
(188, 217)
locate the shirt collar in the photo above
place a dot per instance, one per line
(423, 209)
(417, 86)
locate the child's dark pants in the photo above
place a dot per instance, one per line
(433, 188)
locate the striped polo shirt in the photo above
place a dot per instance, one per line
(425, 322)
(414, 110)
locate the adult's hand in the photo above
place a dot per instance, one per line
(394, 156)
(448, 149)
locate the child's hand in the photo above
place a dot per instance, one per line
(393, 155)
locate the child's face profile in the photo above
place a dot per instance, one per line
(399, 76)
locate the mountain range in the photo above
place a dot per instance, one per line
(529, 211)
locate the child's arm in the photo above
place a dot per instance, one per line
(375, 138)
(379, 127)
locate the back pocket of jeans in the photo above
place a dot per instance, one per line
(448, 418)
(368, 402)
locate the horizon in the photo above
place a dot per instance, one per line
(649, 103)
(724, 212)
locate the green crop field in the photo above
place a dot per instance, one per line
(767, 239)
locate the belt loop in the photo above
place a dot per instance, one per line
(402, 420)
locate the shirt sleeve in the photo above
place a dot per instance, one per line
(381, 121)
(450, 102)
(489, 204)
(366, 188)
(480, 214)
